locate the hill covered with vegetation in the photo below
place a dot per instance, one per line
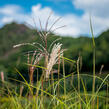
(12, 34)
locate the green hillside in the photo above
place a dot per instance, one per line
(12, 34)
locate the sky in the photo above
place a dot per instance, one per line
(74, 14)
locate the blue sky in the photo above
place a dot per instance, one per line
(75, 14)
(60, 6)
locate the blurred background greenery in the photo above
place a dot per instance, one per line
(10, 58)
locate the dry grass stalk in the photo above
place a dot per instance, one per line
(58, 72)
(2, 77)
(102, 66)
(36, 59)
(21, 90)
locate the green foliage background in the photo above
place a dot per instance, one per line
(12, 34)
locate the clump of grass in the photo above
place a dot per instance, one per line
(68, 92)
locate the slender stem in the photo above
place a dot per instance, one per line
(93, 86)
(107, 94)
(58, 71)
(64, 80)
(78, 81)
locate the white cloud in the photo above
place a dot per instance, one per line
(73, 23)
(96, 7)
(76, 25)
(9, 13)
(98, 10)
(10, 9)
(6, 20)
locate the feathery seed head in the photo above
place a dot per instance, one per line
(56, 53)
